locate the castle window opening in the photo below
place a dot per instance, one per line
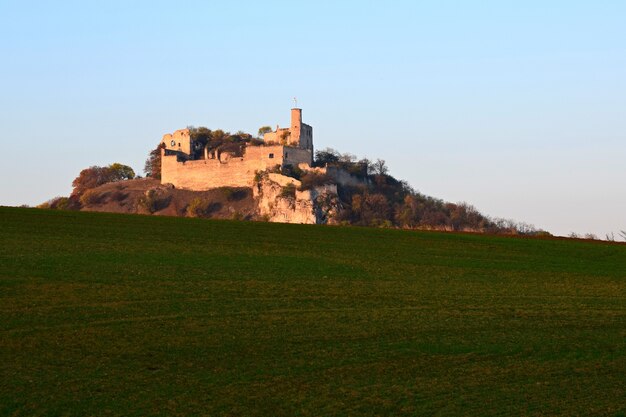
(271, 155)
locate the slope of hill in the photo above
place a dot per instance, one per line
(337, 189)
(130, 196)
(110, 314)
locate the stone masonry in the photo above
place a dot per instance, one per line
(291, 146)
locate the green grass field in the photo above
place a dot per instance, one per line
(104, 314)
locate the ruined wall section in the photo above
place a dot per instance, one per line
(343, 177)
(339, 175)
(205, 174)
(179, 141)
(297, 156)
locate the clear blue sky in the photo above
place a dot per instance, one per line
(518, 108)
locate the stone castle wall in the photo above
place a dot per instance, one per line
(179, 141)
(297, 156)
(180, 168)
(340, 175)
(205, 174)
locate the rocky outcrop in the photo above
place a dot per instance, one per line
(274, 197)
(279, 199)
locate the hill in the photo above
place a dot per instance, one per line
(131, 196)
(337, 190)
(110, 314)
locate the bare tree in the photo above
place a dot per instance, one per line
(380, 167)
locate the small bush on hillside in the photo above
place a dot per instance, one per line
(196, 207)
(201, 208)
(234, 194)
(292, 171)
(118, 196)
(259, 175)
(227, 192)
(288, 192)
(238, 216)
(59, 203)
(151, 202)
(90, 197)
(276, 169)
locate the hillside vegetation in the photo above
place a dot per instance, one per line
(111, 314)
(379, 199)
(148, 196)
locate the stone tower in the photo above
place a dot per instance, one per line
(297, 135)
(296, 125)
(301, 135)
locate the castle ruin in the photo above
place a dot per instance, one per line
(186, 165)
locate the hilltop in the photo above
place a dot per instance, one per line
(367, 196)
(113, 314)
(276, 177)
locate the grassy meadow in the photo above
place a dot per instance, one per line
(108, 314)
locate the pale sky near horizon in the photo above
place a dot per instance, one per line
(518, 108)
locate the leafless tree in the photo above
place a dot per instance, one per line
(380, 167)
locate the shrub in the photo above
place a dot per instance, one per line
(148, 201)
(291, 171)
(276, 169)
(234, 194)
(196, 207)
(57, 203)
(201, 208)
(259, 175)
(238, 216)
(60, 203)
(118, 196)
(326, 156)
(90, 197)
(288, 192)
